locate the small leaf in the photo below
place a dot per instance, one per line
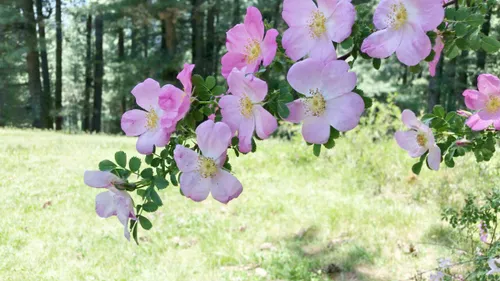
(149, 158)
(415, 68)
(134, 164)
(283, 110)
(121, 159)
(198, 80)
(155, 197)
(145, 222)
(173, 179)
(490, 44)
(160, 182)
(147, 173)
(330, 144)
(106, 165)
(460, 29)
(334, 133)
(368, 102)
(376, 63)
(438, 110)
(462, 43)
(347, 44)
(417, 167)
(254, 146)
(150, 207)
(156, 162)
(475, 20)
(210, 82)
(317, 149)
(218, 90)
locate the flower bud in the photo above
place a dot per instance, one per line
(463, 142)
(464, 113)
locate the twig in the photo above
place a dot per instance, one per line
(344, 57)
(450, 3)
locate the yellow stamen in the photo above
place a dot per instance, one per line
(152, 119)
(421, 139)
(253, 51)
(398, 16)
(316, 104)
(493, 104)
(207, 167)
(317, 24)
(246, 107)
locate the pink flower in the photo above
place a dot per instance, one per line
(114, 202)
(438, 49)
(202, 174)
(175, 102)
(418, 140)
(146, 123)
(402, 26)
(493, 266)
(313, 28)
(247, 46)
(483, 232)
(486, 101)
(328, 98)
(242, 111)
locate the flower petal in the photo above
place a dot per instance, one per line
(254, 24)
(245, 134)
(477, 124)
(337, 80)
(343, 112)
(146, 94)
(134, 122)
(438, 49)
(194, 186)
(410, 120)
(231, 111)
(232, 60)
(100, 179)
(269, 46)
(339, 24)
(415, 45)
(305, 75)
(427, 13)
(382, 44)
(185, 158)
(297, 111)
(323, 48)
(170, 98)
(105, 206)
(265, 123)
(298, 12)
(185, 77)
(242, 85)
(407, 140)
(225, 187)
(316, 130)
(383, 13)
(237, 38)
(147, 141)
(296, 41)
(488, 84)
(213, 138)
(475, 100)
(434, 157)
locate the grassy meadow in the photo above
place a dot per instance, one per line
(355, 213)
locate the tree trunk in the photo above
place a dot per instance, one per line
(59, 118)
(33, 64)
(198, 42)
(452, 74)
(121, 59)
(88, 77)
(236, 12)
(98, 75)
(171, 32)
(461, 82)
(46, 99)
(481, 54)
(434, 86)
(211, 39)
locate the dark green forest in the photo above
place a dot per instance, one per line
(71, 64)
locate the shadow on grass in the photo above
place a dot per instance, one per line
(304, 256)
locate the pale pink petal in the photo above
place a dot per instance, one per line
(427, 13)
(316, 130)
(242, 85)
(496, 124)
(146, 94)
(194, 186)
(475, 100)
(323, 47)
(305, 76)
(221, 160)
(124, 206)
(478, 124)
(265, 123)
(438, 49)
(225, 187)
(339, 24)
(297, 41)
(410, 120)
(100, 179)
(147, 141)
(326, 58)
(269, 46)
(105, 206)
(407, 140)
(487, 115)
(213, 138)
(343, 112)
(488, 84)
(382, 44)
(232, 60)
(254, 24)
(245, 134)
(185, 77)
(231, 111)
(237, 39)
(298, 12)
(185, 158)
(434, 157)
(134, 122)
(383, 13)
(337, 80)
(327, 7)
(170, 98)
(297, 111)
(415, 45)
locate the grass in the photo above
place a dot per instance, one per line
(354, 213)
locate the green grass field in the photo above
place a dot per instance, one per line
(354, 213)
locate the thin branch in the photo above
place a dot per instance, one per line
(344, 57)
(454, 2)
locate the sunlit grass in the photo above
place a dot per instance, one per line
(352, 214)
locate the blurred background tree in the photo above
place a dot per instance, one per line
(71, 64)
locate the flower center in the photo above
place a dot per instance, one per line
(207, 167)
(398, 16)
(493, 104)
(246, 107)
(253, 51)
(152, 119)
(316, 104)
(421, 139)
(317, 24)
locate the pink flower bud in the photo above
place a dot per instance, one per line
(464, 113)
(463, 142)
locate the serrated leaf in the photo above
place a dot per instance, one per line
(160, 182)
(376, 63)
(173, 179)
(417, 167)
(155, 197)
(283, 110)
(134, 164)
(347, 44)
(451, 50)
(490, 44)
(121, 159)
(462, 43)
(438, 110)
(150, 207)
(147, 173)
(145, 222)
(317, 149)
(475, 20)
(460, 29)
(210, 82)
(218, 90)
(106, 165)
(149, 158)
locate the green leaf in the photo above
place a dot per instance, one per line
(462, 43)
(451, 50)
(121, 159)
(156, 162)
(160, 182)
(254, 146)
(283, 110)
(415, 68)
(334, 133)
(173, 179)
(218, 90)
(431, 56)
(164, 154)
(198, 81)
(285, 96)
(155, 197)
(475, 20)
(210, 82)
(147, 173)
(368, 102)
(347, 44)
(106, 165)
(150, 207)
(149, 158)
(417, 167)
(474, 40)
(141, 192)
(134, 164)
(376, 63)
(235, 141)
(330, 144)
(145, 223)
(134, 231)
(460, 29)
(438, 110)
(317, 149)
(490, 44)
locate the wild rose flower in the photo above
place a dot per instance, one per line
(493, 266)
(114, 202)
(242, 110)
(438, 276)
(444, 263)
(329, 100)
(402, 27)
(146, 123)
(202, 174)
(418, 140)
(438, 49)
(247, 46)
(313, 28)
(483, 232)
(486, 101)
